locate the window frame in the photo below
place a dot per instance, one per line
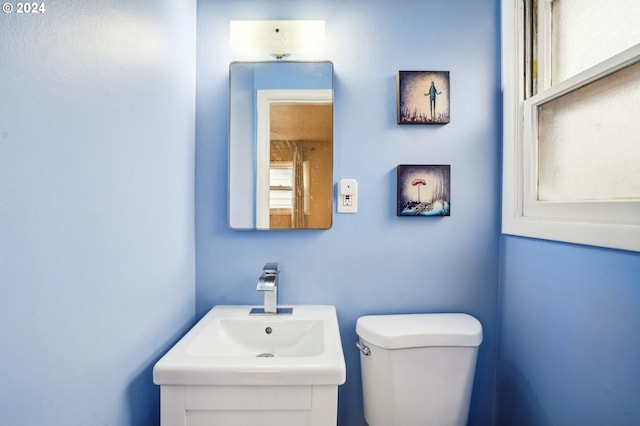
(521, 214)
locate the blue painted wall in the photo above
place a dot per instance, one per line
(97, 214)
(570, 340)
(97, 251)
(372, 262)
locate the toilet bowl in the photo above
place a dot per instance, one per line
(418, 369)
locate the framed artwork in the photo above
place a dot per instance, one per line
(423, 97)
(424, 190)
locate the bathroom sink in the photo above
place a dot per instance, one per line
(230, 347)
(260, 337)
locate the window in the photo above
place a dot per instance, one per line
(571, 80)
(281, 187)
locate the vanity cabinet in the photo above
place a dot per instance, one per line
(248, 405)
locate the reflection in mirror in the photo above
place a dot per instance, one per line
(281, 145)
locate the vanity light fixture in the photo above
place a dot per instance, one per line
(277, 38)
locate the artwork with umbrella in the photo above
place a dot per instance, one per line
(424, 190)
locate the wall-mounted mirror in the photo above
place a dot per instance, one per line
(280, 145)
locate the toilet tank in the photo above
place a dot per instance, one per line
(418, 368)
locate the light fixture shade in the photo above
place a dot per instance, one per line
(277, 38)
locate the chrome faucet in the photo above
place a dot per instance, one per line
(268, 284)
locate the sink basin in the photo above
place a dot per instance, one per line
(259, 337)
(230, 347)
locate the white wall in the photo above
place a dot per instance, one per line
(97, 251)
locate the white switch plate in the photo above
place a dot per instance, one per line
(347, 196)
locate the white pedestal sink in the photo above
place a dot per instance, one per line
(233, 368)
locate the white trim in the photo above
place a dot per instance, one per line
(517, 160)
(512, 88)
(263, 101)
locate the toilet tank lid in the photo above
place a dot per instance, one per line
(420, 330)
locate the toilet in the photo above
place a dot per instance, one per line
(418, 369)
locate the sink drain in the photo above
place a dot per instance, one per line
(265, 355)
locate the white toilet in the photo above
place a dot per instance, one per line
(418, 369)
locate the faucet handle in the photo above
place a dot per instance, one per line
(270, 268)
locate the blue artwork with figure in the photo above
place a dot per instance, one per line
(424, 190)
(423, 97)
